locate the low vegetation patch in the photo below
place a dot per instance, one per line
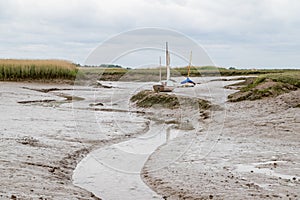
(268, 85)
(217, 71)
(17, 70)
(152, 74)
(149, 98)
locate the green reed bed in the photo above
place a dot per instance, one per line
(18, 70)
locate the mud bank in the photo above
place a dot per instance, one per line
(44, 134)
(252, 152)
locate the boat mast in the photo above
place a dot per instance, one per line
(167, 62)
(160, 68)
(190, 63)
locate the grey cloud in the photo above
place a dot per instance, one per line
(70, 29)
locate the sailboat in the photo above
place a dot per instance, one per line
(168, 84)
(188, 82)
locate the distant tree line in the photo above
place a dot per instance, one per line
(102, 65)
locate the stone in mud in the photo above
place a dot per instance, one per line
(13, 197)
(27, 140)
(96, 104)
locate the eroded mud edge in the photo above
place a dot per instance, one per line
(222, 181)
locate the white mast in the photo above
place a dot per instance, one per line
(160, 68)
(167, 62)
(190, 64)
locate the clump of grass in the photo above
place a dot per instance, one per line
(292, 78)
(16, 70)
(149, 98)
(268, 85)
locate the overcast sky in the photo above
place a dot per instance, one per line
(245, 34)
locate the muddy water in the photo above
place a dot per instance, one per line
(113, 172)
(259, 168)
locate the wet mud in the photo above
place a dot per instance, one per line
(255, 155)
(45, 132)
(246, 150)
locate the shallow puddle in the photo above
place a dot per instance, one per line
(260, 169)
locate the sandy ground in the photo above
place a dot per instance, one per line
(251, 152)
(248, 150)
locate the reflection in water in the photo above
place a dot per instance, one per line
(168, 134)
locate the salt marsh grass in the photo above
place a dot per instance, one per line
(17, 70)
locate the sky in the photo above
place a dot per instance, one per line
(233, 33)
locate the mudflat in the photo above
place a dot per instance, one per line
(45, 130)
(245, 150)
(251, 152)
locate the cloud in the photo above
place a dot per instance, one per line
(72, 29)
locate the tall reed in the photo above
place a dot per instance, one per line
(13, 69)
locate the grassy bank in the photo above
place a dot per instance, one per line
(149, 98)
(217, 71)
(18, 70)
(268, 85)
(115, 74)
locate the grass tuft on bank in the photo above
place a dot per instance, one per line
(267, 85)
(149, 98)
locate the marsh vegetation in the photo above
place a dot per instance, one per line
(17, 70)
(268, 85)
(149, 98)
